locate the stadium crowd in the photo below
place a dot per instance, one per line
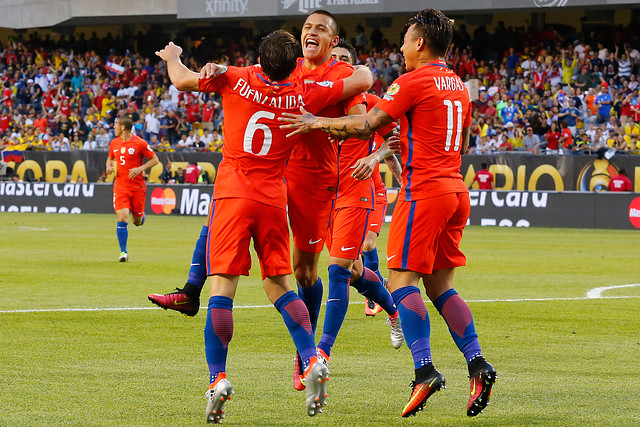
(537, 92)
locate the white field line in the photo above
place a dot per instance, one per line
(595, 293)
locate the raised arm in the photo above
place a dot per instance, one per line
(182, 78)
(358, 82)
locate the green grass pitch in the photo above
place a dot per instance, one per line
(562, 359)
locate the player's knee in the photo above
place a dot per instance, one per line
(305, 276)
(369, 241)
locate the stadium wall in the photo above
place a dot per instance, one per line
(513, 171)
(488, 208)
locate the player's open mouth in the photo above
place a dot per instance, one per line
(311, 44)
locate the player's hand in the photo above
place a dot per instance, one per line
(302, 122)
(133, 172)
(170, 51)
(363, 169)
(394, 143)
(211, 69)
(109, 168)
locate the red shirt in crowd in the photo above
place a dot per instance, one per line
(484, 178)
(552, 140)
(620, 183)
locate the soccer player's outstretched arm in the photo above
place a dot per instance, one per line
(358, 82)
(182, 78)
(360, 126)
(364, 167)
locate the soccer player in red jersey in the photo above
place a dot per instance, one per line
(433, 106)
(127, 153)
(484, 178)
(250, 199)
(348, 228)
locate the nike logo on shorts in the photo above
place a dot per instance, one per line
(347, 249)
(373, 225)
(390, 257)
(195, 264)
(313, 242)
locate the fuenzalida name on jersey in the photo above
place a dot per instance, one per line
(244, 89)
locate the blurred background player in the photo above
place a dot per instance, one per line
(484, 178)
(250, 199)
(620, 182)
(433, 106)
(126, 154)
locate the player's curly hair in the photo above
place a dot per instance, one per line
(435, 28)
(278, 52)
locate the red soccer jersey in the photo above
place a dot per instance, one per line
(191, 174)
(256, 150)
(315, 156)
(433, 106)
(485, 179)
(129, 155)
(620, 183)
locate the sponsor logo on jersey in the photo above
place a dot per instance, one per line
(132, 150)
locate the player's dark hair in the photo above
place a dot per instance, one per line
(435, 28)
(125, 121)
(352, 50)
(336, 30)
(278, 52)
(622, 172)
(484, 166)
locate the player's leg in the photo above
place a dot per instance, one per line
(228, 257)
(411, 248)
(186, 300)
(271, 242)
(137, 207)
(369, 248)
(455, 311)
(122, 231)
(218, 332)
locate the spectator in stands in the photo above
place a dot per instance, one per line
(552, 139)
(167, 176)
(530, 142)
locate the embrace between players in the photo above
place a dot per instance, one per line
(331, 199)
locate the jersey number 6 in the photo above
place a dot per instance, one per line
(450, 105)
(252, 127)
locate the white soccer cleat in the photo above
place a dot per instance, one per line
(216, 398)
(397, 336)
(316, 382)
(124, 257)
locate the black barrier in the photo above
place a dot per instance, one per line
(513, 171)
(488, 208)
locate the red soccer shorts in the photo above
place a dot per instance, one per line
(347, 231)
(133, 200)
(309, 211)
(232, 225)
(376, 218)
(425, 234)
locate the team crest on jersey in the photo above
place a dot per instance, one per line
(149, 147)
(122, 150)
(325, 83)
(132, 150)
(393, 89)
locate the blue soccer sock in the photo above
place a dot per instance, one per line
(198, 269)
(218, 331)
(458, 316)
(415, 323)
(372, 262)
(312, 298)
(370, 287)
(337, 305)
(123, 235)
(296, 317)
